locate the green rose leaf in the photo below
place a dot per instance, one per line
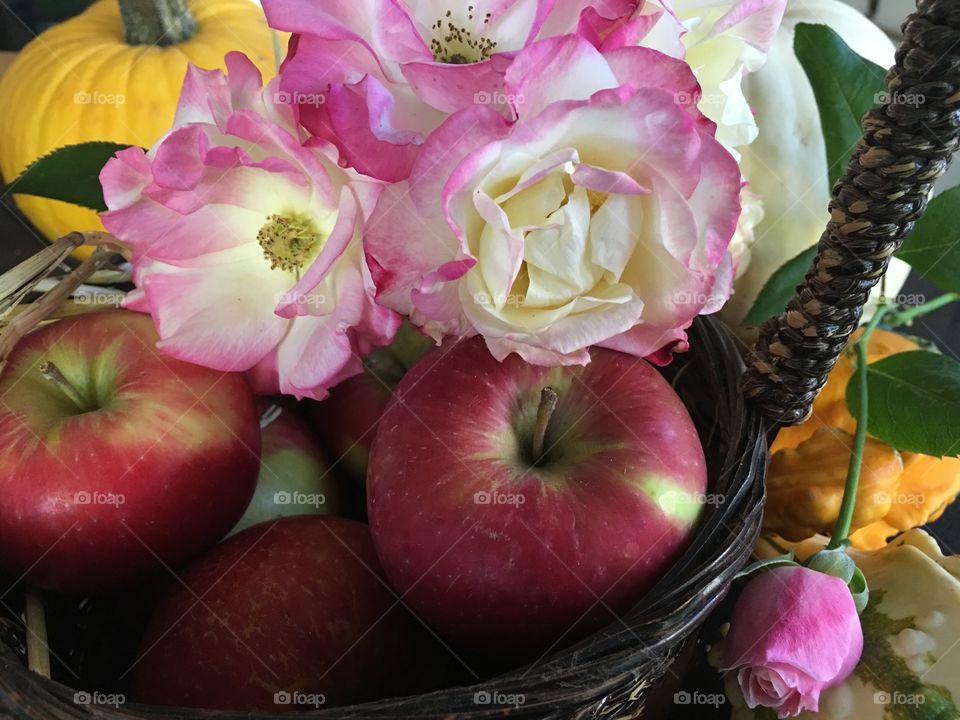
(70, 174)
(779, 287)
(933, 247)
(845, 86)
(914, 402)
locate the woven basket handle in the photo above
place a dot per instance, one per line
(905, 147)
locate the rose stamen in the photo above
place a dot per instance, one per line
(289, 241)
(455, 45)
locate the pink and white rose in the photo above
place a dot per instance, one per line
(721, 41)
(376, 76)
(794, 633)
(246, 242)
(601, 216)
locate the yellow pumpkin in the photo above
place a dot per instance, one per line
(82, 80)
(808, 469)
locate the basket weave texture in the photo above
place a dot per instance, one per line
(905, 147)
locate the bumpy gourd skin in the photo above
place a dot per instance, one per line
(80, 81)
(808, 468)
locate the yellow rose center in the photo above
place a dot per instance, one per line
(289, 241)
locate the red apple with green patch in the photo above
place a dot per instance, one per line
(519, 507)
(117, 461)
(295, 478)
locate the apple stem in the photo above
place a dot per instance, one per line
(548, 403)
(38, 652)
(51, 372)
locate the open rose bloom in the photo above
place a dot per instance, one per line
(246, 242)
(601, 216)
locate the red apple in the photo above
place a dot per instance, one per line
(117, 461)
(287, 615)
(294, 476)
(512, 526)
(347, 420)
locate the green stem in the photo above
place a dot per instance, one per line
(904, 317)
(548, 403)
(842, 529)
(893, 318)
(157, 22)
(52, 373)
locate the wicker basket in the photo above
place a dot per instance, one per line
(613, 673)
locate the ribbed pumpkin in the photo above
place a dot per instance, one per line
(114, 73)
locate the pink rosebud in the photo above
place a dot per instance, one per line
(794, 633)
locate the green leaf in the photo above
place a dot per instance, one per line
(778, 290)
(845, 86)
(767, 564)
(914, 402)
(860, 590)
(933, 248)
(833, 562)
(71, 174)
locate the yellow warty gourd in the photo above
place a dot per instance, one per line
(86, 79)
(808, 469)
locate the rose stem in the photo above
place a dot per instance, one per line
(38, 652)
(52, 372)
(548, 403)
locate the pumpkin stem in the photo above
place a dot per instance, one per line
(157, 22)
